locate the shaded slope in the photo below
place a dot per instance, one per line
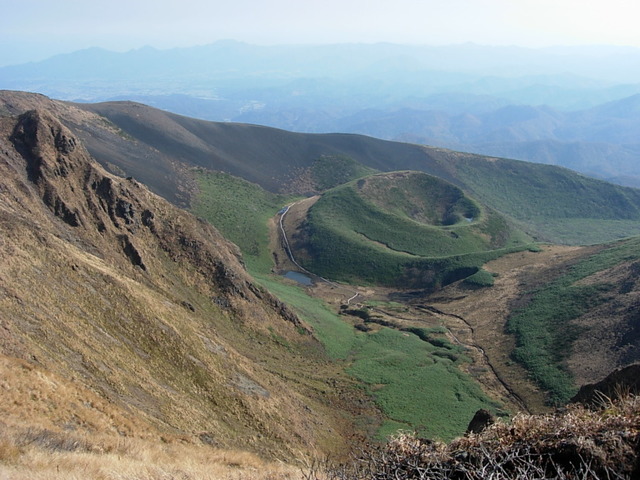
(535, 195)
(107, 284)
(267, 156)
(159, 148)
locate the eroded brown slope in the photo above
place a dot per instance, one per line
(611, 330)
(109, 286)
(116, 150)
(607, 337)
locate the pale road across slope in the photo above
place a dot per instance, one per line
(282, 213)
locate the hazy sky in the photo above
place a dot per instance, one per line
(36, 29)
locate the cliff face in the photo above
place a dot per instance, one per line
(120, 293)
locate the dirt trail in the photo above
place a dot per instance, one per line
(282, 230)
(295, 215)
(481, 368)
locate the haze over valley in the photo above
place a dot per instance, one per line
(575, 107)
(348, 246)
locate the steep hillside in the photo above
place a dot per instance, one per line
(270, 157)
(114, 289)
(531, 194)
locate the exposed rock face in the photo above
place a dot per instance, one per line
(106, 284)
(481, 420)
(620, 382)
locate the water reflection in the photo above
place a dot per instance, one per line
(299, 277)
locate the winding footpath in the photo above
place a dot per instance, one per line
(283, 212)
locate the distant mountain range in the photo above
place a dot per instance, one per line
(602, 141)
(574, 107)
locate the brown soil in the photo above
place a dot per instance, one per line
(291, 223)
(613, 327)
(485, 311)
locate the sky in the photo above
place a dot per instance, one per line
(32, 30)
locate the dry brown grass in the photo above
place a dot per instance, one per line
(123, 315)
(40, 454)
(577, 443)
(51, 428)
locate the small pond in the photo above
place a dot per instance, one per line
(299, 277)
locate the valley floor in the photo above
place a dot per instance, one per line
(475, 318)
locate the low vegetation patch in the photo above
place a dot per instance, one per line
(413, 375)
(240, 210)
(481, 278)
(543, 328)
(336, 335)
(417, 382)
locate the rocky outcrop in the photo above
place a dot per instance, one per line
(621, 382)
(480, 421)
(80, 193)
(106, 284)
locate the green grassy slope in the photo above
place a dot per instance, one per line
(240, 210)
(329, 171)
(418, 384)
(364, 231)
(555, 204)
(438, 401)
(414, 377)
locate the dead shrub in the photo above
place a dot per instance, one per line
(577, 443)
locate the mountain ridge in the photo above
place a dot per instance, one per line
(148, 309)
(160, 149)
(414, 93)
